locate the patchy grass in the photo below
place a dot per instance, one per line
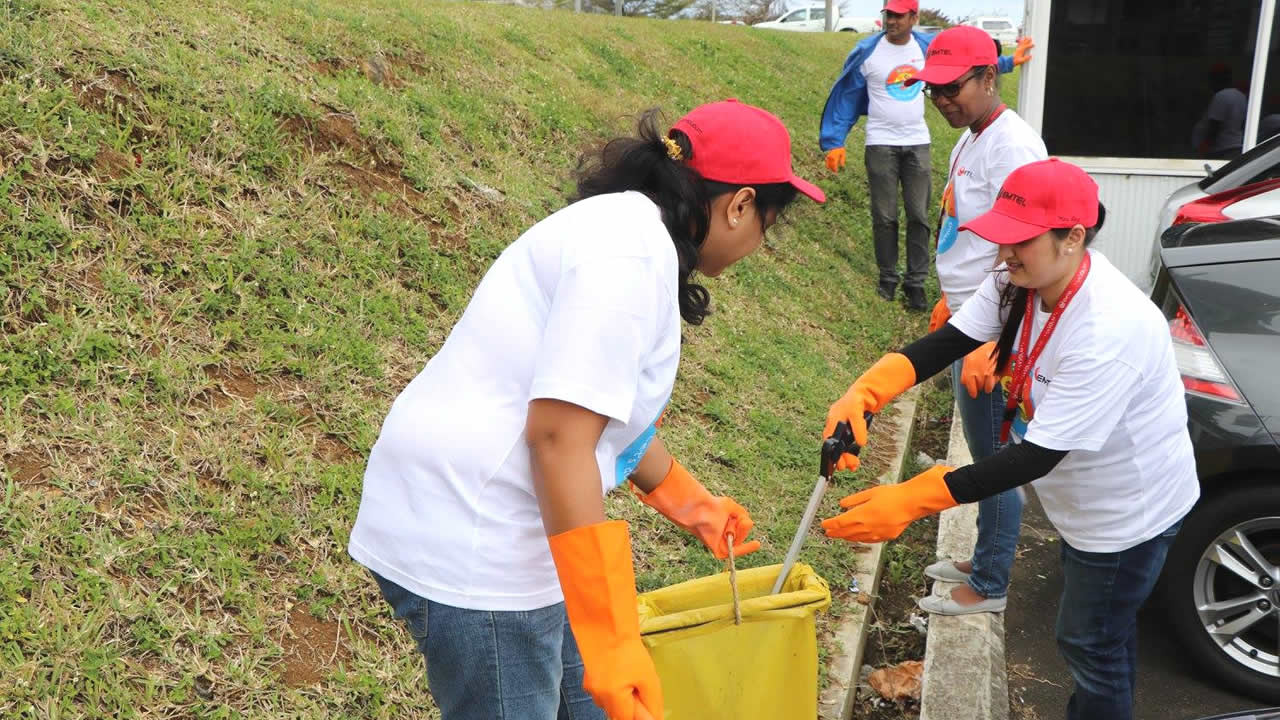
(233, 231)
(892, 639)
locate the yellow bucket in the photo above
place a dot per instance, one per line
(712, 668)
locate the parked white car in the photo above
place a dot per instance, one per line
(858, 24)
(807, 19)
(814, 19)
(1000, 28)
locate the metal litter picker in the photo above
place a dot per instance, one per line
(701, 633)
(840, 442)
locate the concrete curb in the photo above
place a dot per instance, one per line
(964, 670)
(836, 702)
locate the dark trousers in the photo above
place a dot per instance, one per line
(889, 166)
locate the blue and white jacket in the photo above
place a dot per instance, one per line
(848, 100)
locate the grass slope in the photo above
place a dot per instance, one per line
(233, 231)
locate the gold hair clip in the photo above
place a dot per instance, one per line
(673, 149)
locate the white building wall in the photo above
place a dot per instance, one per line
(1133, 203)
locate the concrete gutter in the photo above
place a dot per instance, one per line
(964, 670)
(836, 702)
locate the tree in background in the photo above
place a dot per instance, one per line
(930, 16)
(648, 8)
(748, 11)
(658, 8)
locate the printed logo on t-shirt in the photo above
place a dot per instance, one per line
(1026, 411)
(630, 457)
(894, 83)
(947, 229)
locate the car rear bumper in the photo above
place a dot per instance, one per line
(1229, 439)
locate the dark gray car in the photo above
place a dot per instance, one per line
(1219, 285)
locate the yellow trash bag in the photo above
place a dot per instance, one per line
(713, 669)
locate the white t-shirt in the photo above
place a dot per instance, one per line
(895, 115)
(978, 167)
(584, 308)
(1105, 388)
(1228, 107)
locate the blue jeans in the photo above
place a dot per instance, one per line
(490, 665)
(999, 516)
(1098, 623)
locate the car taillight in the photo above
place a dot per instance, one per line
(1201, 372)
(1209, 209)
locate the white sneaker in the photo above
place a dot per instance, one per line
(945, 570)
(944, 605)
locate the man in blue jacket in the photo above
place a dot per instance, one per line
(897, 152)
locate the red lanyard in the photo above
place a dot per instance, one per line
(973, 136)
(1020, 369)
(942, 211)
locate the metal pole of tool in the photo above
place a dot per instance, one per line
(793, 552)
(839, 443)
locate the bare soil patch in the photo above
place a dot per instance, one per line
(311, 648)
(29, 468)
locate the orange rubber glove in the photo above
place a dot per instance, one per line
(891, 376)
(599, 584)
(978, 373)
(883, 512)
(941, 314)
(685, 502)
(1023, 52)
(835, 159)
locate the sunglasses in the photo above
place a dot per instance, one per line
(949, 90)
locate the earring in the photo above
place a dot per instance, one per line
(734, 222)
(990, 90)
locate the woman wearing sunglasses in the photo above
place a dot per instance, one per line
(960, 78)
(1097, 420)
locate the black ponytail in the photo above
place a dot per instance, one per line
(642, 163)
(1014, 298)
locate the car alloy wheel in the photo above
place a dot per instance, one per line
(1236, 590)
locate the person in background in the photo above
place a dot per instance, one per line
(961, 80)
(874, 82)
(482, 515)
(1097, 420)
(1269, 123)
(1220, 133)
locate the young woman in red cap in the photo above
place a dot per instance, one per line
(1096, 417)
(482, 516)
(960, 77)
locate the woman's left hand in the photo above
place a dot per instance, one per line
(883, 512)
(737, 522)
(710, 518)
(1023, 51)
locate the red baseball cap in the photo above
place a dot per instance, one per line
(902, 7)
(741, 144)
(1036, 198)
(952, 52)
